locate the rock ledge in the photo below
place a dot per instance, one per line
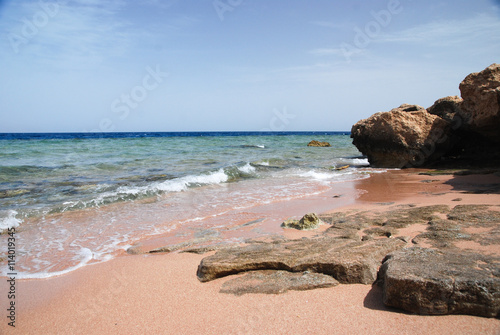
(427, 281)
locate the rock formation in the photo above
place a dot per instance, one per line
(346, 260)
(450, 110)
(276, 282)
(427, 281)
(481, 104)
(307, 222)
(407, 135)
(441, 278)
(454, 127)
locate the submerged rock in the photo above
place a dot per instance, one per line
(346, 260)
(315, 143)
(427, 281)
(13, 193)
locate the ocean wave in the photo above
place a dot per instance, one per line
(97, 195)
(180, 184)
(335, 176)
(258, 146)
(317, 175)
(124, 193)
(86, 256)
(183, 183)
(247, 168)
(271, 163)
(358, 162)
(10, 220)
(264, 163)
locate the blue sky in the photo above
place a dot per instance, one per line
(211, 65)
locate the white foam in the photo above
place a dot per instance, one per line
(247, 168)
(10, 221)
(355, 161)
(86, 257)
(360, 161)
(181, 184)
(317, 175)
(216, 177)
(172, 185)
(264, 163)
(381, 170)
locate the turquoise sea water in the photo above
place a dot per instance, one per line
(54, 187)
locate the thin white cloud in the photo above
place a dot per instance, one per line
(81, 34)
(74, 33)
(451, 32)
(481, 31)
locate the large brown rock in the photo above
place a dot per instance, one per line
(406, 136)
(449, 109)
(481, 101)
(427, 281)
(464, 131)
(347, 260)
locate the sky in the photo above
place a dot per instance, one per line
(233, 65)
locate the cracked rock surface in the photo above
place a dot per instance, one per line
(437, 282)
(346, 260)
(276, 282)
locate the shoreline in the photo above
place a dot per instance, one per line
(160, 293)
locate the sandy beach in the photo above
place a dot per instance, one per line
(250, 167)
(161, 294)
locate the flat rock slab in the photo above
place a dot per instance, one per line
(436, 282)
(346, 260)
(276, 282)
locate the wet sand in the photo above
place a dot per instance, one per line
(160, 293)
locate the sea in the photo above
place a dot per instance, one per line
(79, 198)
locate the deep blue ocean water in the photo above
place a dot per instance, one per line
(41, 136)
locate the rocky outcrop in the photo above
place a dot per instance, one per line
(481, 104)
(315, 143)
(405, 136)
(449, 109)
(307, 222)
(453, 128)
(427, 281)
(346, 260)
(442, 278)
